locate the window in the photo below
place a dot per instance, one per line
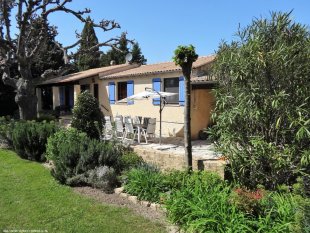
(96, 93)
(47, 98)
(172, 85)
(85, 87)
(121, 90)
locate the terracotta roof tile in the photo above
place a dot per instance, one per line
(89, 73)
(157, 68)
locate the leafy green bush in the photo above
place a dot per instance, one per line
(104, 178)
(248, 201)
(146, 182)
(201, 205)
(278, 214)
(262, 123)
(6, 130)
(87, 116)
(130, 160)
(64, 149)
(80, 160)
(46, 117)
(30, 138)
(302, 216)
(203, 202)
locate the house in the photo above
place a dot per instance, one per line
(62, 91)
(114, 83)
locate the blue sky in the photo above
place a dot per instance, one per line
(160, 26)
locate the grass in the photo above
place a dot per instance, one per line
(30, 199)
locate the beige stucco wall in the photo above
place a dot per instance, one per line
(39, 97)
(172, 115)
(56, 100)
(202, 105)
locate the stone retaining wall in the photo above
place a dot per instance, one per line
(169, 161)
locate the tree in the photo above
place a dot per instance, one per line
(7, 103)
(25, 47)
(137, 56)
(185, 56)
(263, 102)
(49, 56)
(117, 53)
(88, 59)
(87, 116)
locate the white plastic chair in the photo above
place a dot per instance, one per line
(130, 132)
(136, 120)
(149, 131)
(108, 128)
(119, 128)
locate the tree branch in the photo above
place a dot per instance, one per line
(6, 45)
(6, 18)
(6, 78)
(38, 44)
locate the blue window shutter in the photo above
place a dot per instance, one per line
(71, 96)
(181, 91)
(112, 92)
(62, 96)
(156, 87)
(130, 90)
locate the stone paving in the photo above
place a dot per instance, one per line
(201, 149)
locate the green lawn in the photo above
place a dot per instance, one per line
(30, 199)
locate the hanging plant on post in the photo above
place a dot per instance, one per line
(185, 56)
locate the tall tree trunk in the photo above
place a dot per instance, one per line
(187, 117)
(25, 95)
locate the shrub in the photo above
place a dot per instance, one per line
(64, 149)
(87, 116)
(202, 205)
(146, 182)
(278, 214)
(302, 216)
(130, 160)
(80, 160)
(46, 117)
(6, 130)
(202, 202)
(262, 123)
(104, 178)
(248, 201)
(30, 138)
(205, 203)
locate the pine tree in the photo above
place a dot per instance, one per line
(114, 54)
(88, 59)
(137, 56)
(50, 55)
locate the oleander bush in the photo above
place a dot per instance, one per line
(87, 116)
(262, 102)
(30, 138)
